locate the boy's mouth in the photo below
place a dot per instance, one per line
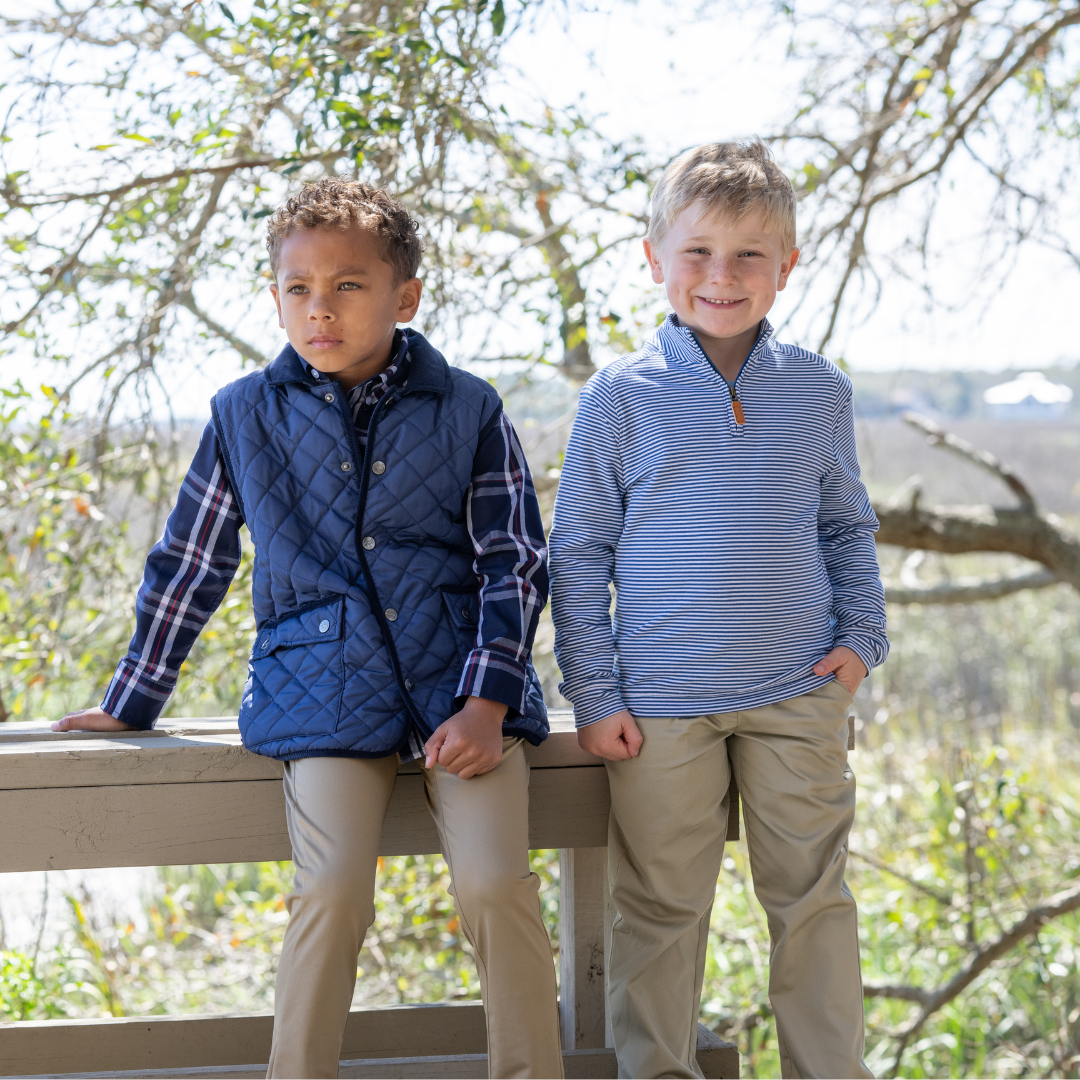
(721, 303)
(322, 342)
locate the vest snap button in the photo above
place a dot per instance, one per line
(409, 684)
(346, 466)
(328, 397)
(324, 626)
(391, 615)
(466, 614)
(368, 542)
(378, 467)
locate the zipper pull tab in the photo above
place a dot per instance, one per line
(736, 408)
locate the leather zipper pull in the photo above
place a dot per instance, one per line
(736, 408)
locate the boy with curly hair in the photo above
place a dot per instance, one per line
(400, 570)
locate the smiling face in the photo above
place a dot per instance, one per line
(338, 301)
(722, 278)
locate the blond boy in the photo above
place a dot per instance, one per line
(712, 478)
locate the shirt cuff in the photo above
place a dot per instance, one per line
(137, 706)
(871, 649)
(594, 701)
(496, 675)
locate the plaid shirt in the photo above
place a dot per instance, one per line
(189, 569)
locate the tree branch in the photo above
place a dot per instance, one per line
(959, 530)
(937, 436)
(971, 590)
(248, 352)
(980, 960)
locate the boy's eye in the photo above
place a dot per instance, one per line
(742, 253)
(296, 290)
(349, 285)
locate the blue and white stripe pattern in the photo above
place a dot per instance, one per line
(739, 553)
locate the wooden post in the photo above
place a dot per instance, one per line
(582, 902)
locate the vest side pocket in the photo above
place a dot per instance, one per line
(296, 676)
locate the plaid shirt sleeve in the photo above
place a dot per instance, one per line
(503, 518)
(187, 574)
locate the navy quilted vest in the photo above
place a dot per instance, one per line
(366, 603)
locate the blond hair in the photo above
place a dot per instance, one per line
(338, 202)
(730, 179)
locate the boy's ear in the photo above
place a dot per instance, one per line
(409, 299)
(653, 256)
(277, 301)
(786, 266)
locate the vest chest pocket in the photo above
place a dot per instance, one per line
(296, 677)
(463, 608)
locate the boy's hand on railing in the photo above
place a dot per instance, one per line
(470, 742)
(90, 720)
(850, 670)
(616, 737)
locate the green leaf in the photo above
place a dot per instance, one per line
(498, 17)
(137, 138)
(227, 13)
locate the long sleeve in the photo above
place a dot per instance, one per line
(504, 523)
(846, 527)
(584, 537)
(187, 574)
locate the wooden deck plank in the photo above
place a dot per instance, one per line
(207, 751)
(450, 1039)
(169, 1042)
(244, 821)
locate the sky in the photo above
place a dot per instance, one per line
(676, 80)
(655, 70)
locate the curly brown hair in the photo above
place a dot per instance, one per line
(337, 202)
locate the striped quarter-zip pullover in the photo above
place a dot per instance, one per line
(740, 553)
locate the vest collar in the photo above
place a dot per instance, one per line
(428, 371)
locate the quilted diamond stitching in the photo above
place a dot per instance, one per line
(302, 508)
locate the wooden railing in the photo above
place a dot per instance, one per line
(189, 793)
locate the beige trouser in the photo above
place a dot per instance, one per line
(335, 809)
(666, 840)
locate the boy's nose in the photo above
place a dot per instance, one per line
(723, 270)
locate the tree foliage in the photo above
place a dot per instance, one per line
(914, 113)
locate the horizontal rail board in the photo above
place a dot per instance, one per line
(244, 821)
(170, 1042)
(184, 752)
(452, 1034)
(577, 1065)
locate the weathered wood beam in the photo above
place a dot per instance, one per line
(583, 899)
(244, 821)
(389, 1038)
(168, 1042)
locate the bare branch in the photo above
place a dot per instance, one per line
(980, 960)
(971, 590)
(248, 352)
(937, 436)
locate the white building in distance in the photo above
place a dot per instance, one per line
(1030, 396)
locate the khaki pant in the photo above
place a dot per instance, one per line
(666, 840)
(335, 809)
